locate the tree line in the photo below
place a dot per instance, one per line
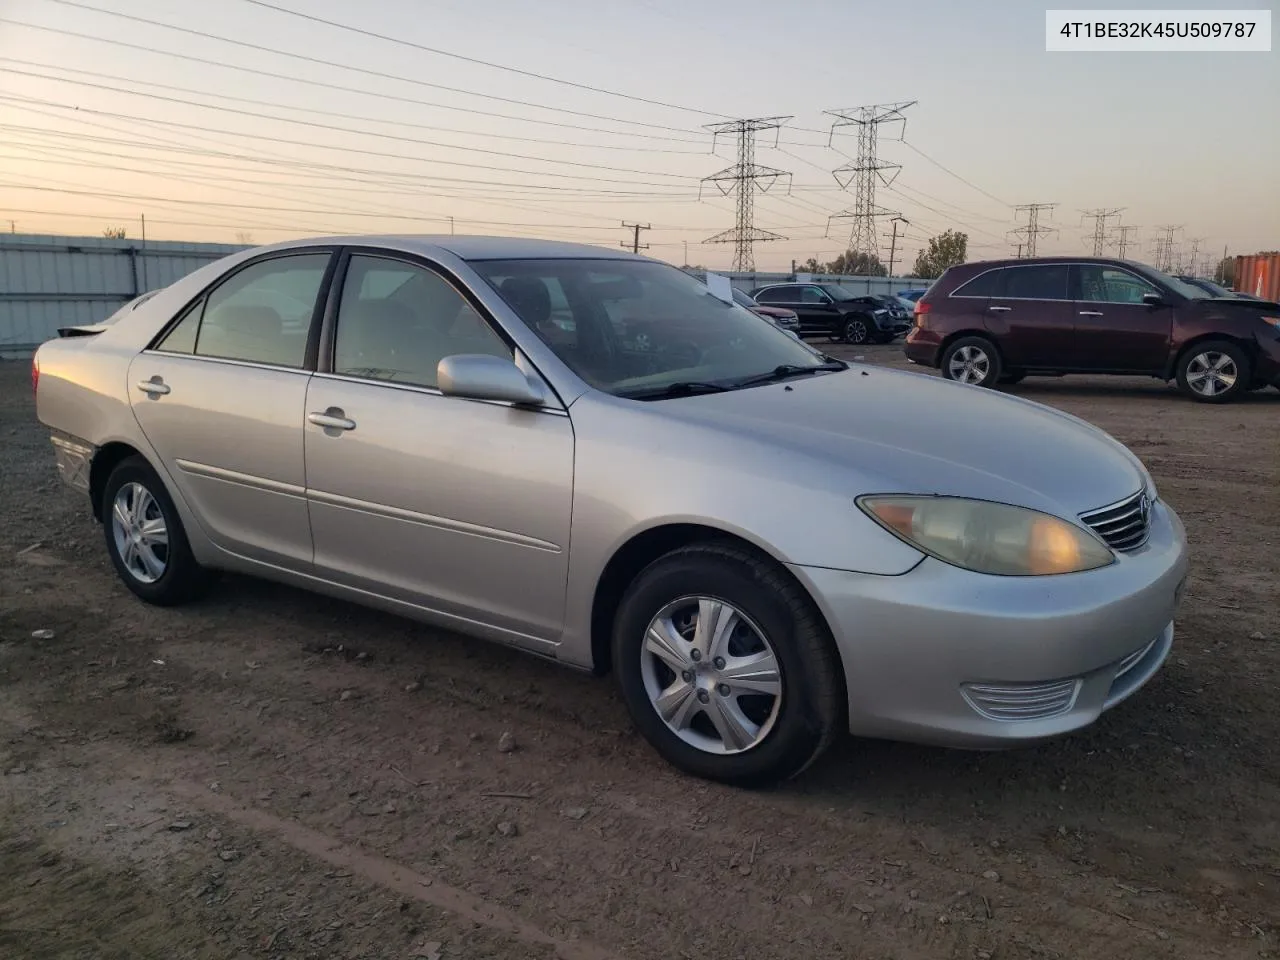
(948, 249)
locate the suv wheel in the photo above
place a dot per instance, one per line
(726, 666)
(972, 360)
(1214, 371)
(855, 330)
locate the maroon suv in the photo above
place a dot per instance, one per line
(999, 321)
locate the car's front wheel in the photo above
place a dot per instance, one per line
(972, 360)
(1214, 371)
(855, 330)
(145, 539)
(726, 666)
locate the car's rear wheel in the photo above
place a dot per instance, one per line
(1214, 371)
(145, 539)
(855, 330)
(726, 666)
(972, 360)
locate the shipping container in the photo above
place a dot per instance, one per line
(1259, 274)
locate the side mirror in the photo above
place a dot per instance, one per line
(478, 376)
(1153, 300)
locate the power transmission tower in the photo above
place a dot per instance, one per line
(1124, 243)
(1164, 247)
(867, 170)
(893, 243)
(1032, 230)
(635, 244)
(1195, 255)
(1101, 238)
(744, 178)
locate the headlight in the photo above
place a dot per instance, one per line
(988, 537)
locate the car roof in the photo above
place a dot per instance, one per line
(1037, 261)
(471, 248)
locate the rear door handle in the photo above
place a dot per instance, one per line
(999, 309)
(331, 419)
(1090, 313)
(154, 387)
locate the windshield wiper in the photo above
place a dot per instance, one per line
(681, 388)
(787, 370)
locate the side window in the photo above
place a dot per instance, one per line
(1048, 282)
(1111, 285)
(813, 295)
(774, 295)
(397, 321)
(983, 285)
(263, 313)
(182, 338)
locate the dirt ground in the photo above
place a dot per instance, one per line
(271, 775)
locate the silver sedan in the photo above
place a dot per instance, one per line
(585, 454)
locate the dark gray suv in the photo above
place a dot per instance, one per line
(840, 313)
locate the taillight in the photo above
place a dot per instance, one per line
(35, 375)
(921, 310)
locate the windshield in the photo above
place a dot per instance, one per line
(1188, 290)
(1213, 289)
(841, 293)
(740, 298)
(639, 328)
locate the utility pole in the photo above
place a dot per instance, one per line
(893, 243)
(744, 178)
(686, 252)
(634, 243)
(1124, 242)
(451, 226)
(1164, 247)
(866, 171)
(1032, 230)
(144, 229)
(1101, 239)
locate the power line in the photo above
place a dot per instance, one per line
(318, 61)
(484, 63)
(744, 178)
(1032, 231)
(949, 171)
(867, 170)
(1100, 216)
(635, 244)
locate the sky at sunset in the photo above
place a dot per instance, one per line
(253, 123)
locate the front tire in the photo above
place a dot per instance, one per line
(1215, 371)
(145, 539)
(726, 666)
(972, 360)
(855, 330)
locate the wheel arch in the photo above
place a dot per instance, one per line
(1247, 346)
(642, 549)
(106, 459)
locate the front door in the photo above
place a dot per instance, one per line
(458, 506)
(221, 398)
(817, 311)
(1115, 329)
(1033, 316)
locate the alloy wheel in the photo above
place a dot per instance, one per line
(855, 331)
(969, 365)
(140, 533)
(711, 675)
(1211, 374)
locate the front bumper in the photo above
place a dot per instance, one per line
(943, 656)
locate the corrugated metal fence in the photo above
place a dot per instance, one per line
(47, 282)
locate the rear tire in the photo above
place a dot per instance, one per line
(1214, 371)
(774, 640)
(145, 539)
(972, 360)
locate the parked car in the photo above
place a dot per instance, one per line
(784, 318)
(999, 321)
(766, 547)
(828, 308)
(899, 310)
(1216, 289)
(913, 294)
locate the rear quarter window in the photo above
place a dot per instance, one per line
(986, 284)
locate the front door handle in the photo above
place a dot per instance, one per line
(332, 419)
(1090, 313)
(999, 309)
(155, 387)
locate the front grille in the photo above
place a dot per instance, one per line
(1021, 701)
(1124, 525)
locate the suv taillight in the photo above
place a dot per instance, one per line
(921, 310)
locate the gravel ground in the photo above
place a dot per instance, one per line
(270, 774)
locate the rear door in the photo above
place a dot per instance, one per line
(221, 398)
(1115, 329)
(1032, 315)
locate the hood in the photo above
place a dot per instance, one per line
(896, 432)
(1233, 305)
